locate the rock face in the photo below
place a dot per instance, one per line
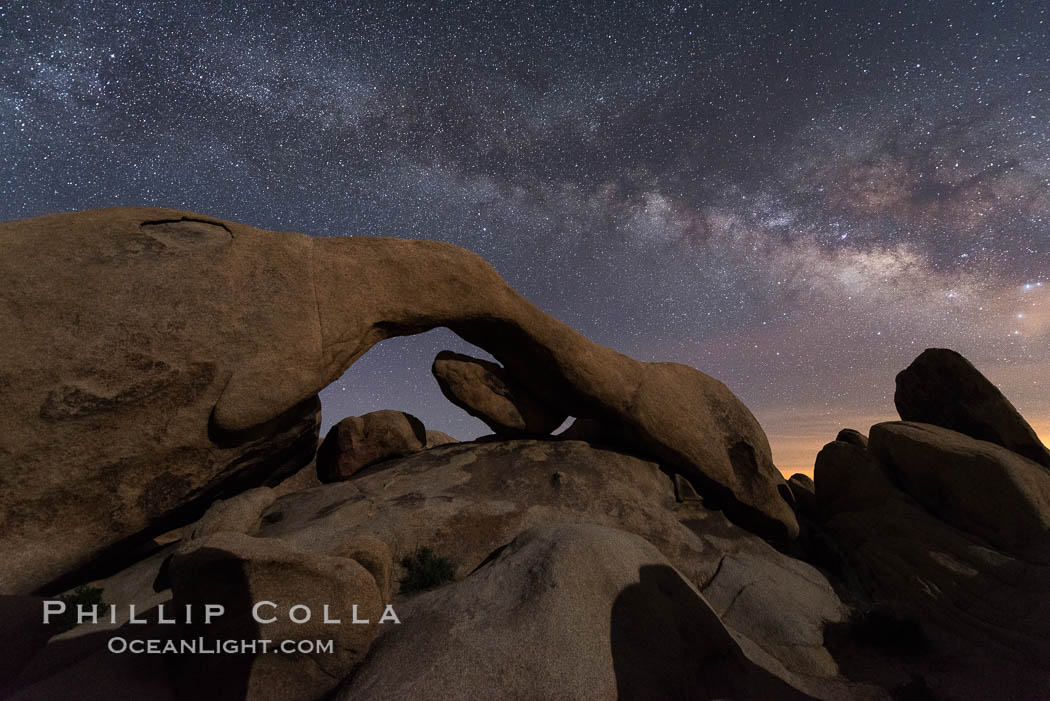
(566, 611)
(974, 485)
(586, 572)
(466, 501)
(485, 391)
(943, 388)
(469, 499)
(672, 406)
(374, 555)
(237, 572)
(166, 359)
(239, 514)
(979, 618)
(359, 441)
(943, 543)
(129, 323)
(84, 669)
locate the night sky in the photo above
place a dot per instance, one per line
(794, 197)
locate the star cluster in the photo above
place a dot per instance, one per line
(795, 197)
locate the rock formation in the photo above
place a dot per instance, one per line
(584, 572)
(849, 435)
(374, 555)
(943, 388)
(846, 478)
(359, 441)
(943, 541)
(166, 359)
(959, 618)
(804, 493)
(484, 390)
(467, 501)
(165, 382)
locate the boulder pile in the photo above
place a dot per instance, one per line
(943, 526)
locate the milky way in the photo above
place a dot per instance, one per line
(793, 197)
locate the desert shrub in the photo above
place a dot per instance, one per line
(84, 595)
(425, 569)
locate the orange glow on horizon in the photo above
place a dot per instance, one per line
(796, 450)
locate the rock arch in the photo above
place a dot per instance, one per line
(202, 352)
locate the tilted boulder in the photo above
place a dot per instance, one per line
(157, 360)
(485, 391)
(943, 388)
(359, 441)
(850, 435)
(975, 485)
(846, 478)
(804, 492)
(239, 572)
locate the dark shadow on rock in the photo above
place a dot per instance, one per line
(915, 689)
(981, 634)
(887, 648)
(112, 560)
(215, 577)
(886, 631)
(163, 579)
(667, 643)
(22, 634)
(83, 667)
(817, 548)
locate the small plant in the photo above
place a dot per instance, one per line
(425, 569)
(84, 595)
